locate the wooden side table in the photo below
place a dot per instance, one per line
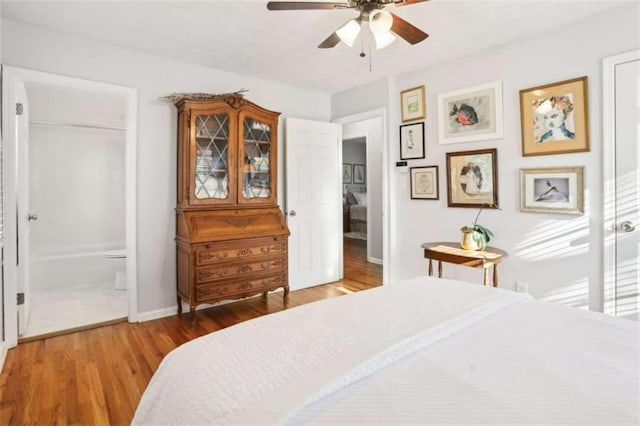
(452, 253)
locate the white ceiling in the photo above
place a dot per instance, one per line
(242, 36)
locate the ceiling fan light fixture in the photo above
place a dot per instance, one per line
(384, 39)
(380, 21)
(348, 32)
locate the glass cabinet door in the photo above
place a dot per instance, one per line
(212, 174)
(257, 171)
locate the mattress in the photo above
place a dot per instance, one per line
(425, 350)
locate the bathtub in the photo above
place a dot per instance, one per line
(69, 270)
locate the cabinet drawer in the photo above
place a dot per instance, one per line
(219, 272)
(216, 291)
(213, 254)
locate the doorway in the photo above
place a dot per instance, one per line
(69, 176)
(621, 121)
(363, 197)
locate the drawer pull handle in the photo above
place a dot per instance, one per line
(265, 250)
(245, 286)
(245, 268)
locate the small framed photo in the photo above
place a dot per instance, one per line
(470, 114)
(412, 104)
(552, 190)
(472, 178)
(412, 141)
(554, 118)
(347, 173)
(359, 174)
(424, 183)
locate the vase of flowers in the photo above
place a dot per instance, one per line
(476, 237)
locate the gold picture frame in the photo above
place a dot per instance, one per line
(552, 190)
(412, 104)
(554, 118)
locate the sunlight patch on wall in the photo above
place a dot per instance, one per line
(554, 239)
(576, 294)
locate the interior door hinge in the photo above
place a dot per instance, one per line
(19, 109)
(20, 298)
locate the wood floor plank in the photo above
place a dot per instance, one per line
(97, 377)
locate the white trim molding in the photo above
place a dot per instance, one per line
(382, 114)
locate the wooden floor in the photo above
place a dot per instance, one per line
(97, 377)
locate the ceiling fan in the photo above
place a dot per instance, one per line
(382, 23)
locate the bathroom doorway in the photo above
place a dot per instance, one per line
(73, 190)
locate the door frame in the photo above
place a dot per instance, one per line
(607, 302)
(10, 77)
(386, 222)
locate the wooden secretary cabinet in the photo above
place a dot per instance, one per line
(231, 236)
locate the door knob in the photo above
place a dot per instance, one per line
(292, 213)
(32, 217)
(627, 226)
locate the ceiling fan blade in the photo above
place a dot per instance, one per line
(410, 33)
(304, 5)
(331, 41)
(399, 3)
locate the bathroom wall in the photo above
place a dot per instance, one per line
(76, 175)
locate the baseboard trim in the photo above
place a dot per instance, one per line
(3, 355)
(158, 313)
(374, 260)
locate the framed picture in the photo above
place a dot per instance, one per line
(554, 118)
(470, 114)
(359, 174)
(424, 183)
(412, 104)
(552, 190)
(412, 141)
(347, 173)
(472, 178)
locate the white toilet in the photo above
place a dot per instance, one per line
(118, 261)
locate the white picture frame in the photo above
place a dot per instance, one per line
(470, 114)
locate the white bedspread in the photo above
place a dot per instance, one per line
(421, 351)
(358, 212)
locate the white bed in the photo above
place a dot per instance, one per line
(356, 200)
(421, 351)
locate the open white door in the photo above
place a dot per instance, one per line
(314, 202)
(24, 216)
(621, 81)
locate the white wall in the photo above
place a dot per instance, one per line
(559, 256)
(34, 48)
(354, 151)
(372, 129)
